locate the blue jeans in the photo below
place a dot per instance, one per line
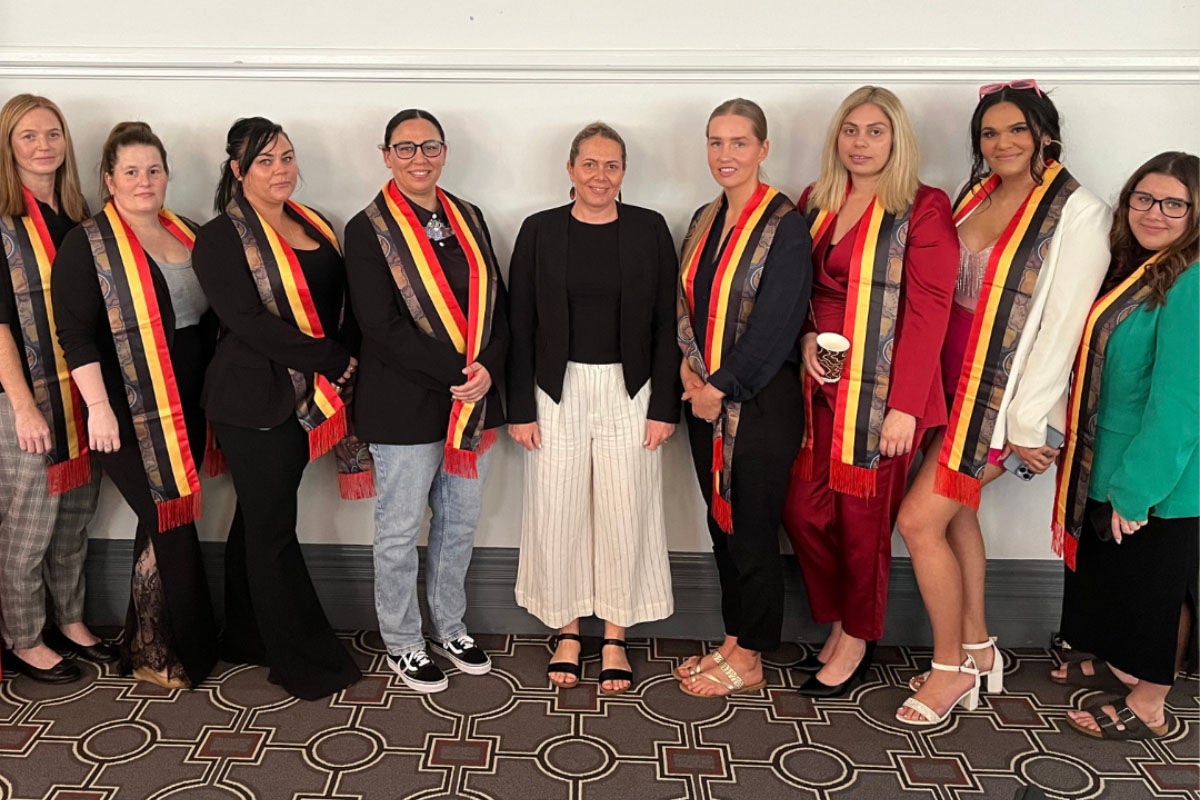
(408, 478)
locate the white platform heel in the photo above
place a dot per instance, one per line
(968, 699)
(995, 675)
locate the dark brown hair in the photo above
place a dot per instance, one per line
(246, 139)
(601, 129)
(125, 134)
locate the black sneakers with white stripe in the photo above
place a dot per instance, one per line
(418, 672)
(464, 654)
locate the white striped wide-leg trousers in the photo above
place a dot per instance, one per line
(593, 537)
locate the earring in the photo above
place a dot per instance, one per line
(572, 193)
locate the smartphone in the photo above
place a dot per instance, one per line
(1014, 464)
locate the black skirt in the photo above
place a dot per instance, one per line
(1122, 601)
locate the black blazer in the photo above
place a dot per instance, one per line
(539, 318)
(402, 395)
(247, 382)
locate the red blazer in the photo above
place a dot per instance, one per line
(927, 290)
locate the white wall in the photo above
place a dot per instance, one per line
(512, 82)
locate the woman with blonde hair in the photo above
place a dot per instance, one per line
(885, 261)
(47, 487)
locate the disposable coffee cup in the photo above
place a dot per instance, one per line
(831, 355)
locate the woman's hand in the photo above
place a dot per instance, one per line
(706, 401)
(103, 434)
(33, 434)
(689, 377)
(808, 354)
(479, 383)
(1124, 527)
(527, 435)
(351, 368)
(1038, 459)
(657, 433)
(896, 435)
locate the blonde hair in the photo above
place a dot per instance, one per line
(897, 183)
(66, 179)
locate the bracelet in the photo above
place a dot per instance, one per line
(98, 403)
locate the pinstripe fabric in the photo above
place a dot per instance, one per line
(593, 536)
(43, 541)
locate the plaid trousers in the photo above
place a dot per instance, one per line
(43, 541)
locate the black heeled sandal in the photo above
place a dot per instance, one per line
(613, 674)
(565, 667)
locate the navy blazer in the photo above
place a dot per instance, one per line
(539, 317)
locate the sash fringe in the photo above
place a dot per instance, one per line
(322, 438)
(214, 458)
(356, 485)
(1064, 545)
(463, 463)
(723, 513)
(803, 467)
(956, 486)
(178, 511)
(67, 475)
(852, 480)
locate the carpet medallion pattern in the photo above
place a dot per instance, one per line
(509, 735)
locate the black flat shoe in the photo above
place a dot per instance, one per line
(62, 672)
(565, 667)
(101, 652)
(809, 663)
(815, 688)
(612, 673)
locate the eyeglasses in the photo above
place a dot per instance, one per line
(1171, 207)
(1023, 84)
(431, 148)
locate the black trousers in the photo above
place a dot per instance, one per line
(748, 560)
(272, 613)
(189, 621)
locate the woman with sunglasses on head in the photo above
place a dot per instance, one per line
(273, 271)
(745, 278)
(129, 313)
(885, 242)
(432, 307)
(1032, 252)
(1125, 516)
(593, 393)
(48, 489)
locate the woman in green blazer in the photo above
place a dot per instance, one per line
(1125, 517)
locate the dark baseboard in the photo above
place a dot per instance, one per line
(1023, 596)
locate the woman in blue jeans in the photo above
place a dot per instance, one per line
(429, 298)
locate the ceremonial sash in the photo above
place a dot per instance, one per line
(283, 289)
(30, 253)
(431, 304)
(135, 319)
(734, 288)
(1008, 283)
(1075, 470)
(872, 310)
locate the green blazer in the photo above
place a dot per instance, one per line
(1148, 424)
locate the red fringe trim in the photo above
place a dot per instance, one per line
(803, 467)
(486, 441)
(1065, 546)
(178, 511)
(214, 458)
(356, 485)
(460, 462)
(723, 513)
(322, 438)
(852, 480)
(957, 486)
(70, 474)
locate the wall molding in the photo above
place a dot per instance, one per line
(1024, 596)
(587, 66)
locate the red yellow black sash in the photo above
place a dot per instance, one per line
(1000, 316)
(284, 291)
(135, 319)
(734, 288)
(433, 307)
(30, 253)
(1075, 471)
(872, 310)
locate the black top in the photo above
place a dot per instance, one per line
(541, 323)
(593, 293)
(79, 312)
(58, 227)
(780, 307)
(402, 395)
(247, 383)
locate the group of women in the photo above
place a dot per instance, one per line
(1066, 333)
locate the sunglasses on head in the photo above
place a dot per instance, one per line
(1023, 84)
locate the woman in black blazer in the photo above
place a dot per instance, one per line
(593, 391)
(274, 274)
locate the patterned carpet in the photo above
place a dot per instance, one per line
(507, 735)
